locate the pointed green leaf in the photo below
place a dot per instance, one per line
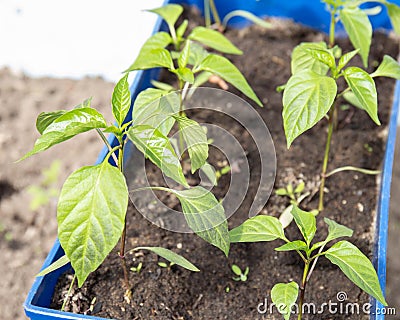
(357, 267)
(184, 55)
(185, 74)
(257, 229)
(284, 296)
(54, 266)
(363, 86)
(67, 126)
(323, 55)
(236, 270)
(180, 31)
(394, 15)
(389, 67)
(196, 141)
(153, 107)
(307, 98)
(209, 171)
(205, 215)
(293, 245)
(91, 216)
(197, 54)
(223, 68)
(171, 257)
(345, 59)
(121, 100)
(158, 149)
(213, 39)
(303, 60)
(336, 230)
(306, 223)
(170, 13)
(155, 58)
(359, 29)
(45, 119)
(350, 97)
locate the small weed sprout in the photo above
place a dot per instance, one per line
(240, 275)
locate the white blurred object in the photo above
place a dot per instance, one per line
(73, 38)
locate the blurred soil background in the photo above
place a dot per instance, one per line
(27, 235)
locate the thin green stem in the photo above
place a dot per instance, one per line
(303, 289)
(332, 28)
(207, 16)
(104, 138)
(181, 114)
(350, 168)
(68, 293)
(326, 158)
(215, 13)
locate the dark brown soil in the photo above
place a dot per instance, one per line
(175, 293)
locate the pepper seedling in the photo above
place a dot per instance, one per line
(311, 93)
(240, 275)
(351, 261)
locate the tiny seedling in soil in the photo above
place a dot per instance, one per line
(311, 93)
(354, 264)
(138, 268)
(240, 275)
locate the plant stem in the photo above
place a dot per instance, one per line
(128, 292)
(181, 114)
(103, 137)
(68, 293)
(303, 289)
(207, 17)
(326, 158)
(332, 29)
(215, 13)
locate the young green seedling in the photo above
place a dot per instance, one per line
(138, 268)
(240, 275)
(353, 263)
(311, 93)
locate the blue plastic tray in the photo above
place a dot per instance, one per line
(310, 13)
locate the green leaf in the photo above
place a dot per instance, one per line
(345, 59)
(357, 267)
(293, 245)
(47, 118)
(286, 216)
(67, 126)
(180, 31)
(350, 97)
(170, 13)
(363, 86)
(157, 147)
(213, 39)
(257, 229)
(236, 270)
(209, 171)
(121, 100)
(323, 55)
(184, 55)
(155, 58)
(359, 29)
(223, 68)
(247, 15)
(54, 266)
(281, 192)
(303, 60)
(171, 257)
(154, 108)
(307, 98)
(284, 296)
(394, 15)
(306, 223)
(389, 67)
(162, 86)
(91, 216)
(205, 215)
(196, 141)
(336, 230)
(196, 55)
(157, 41)
(185, 74)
